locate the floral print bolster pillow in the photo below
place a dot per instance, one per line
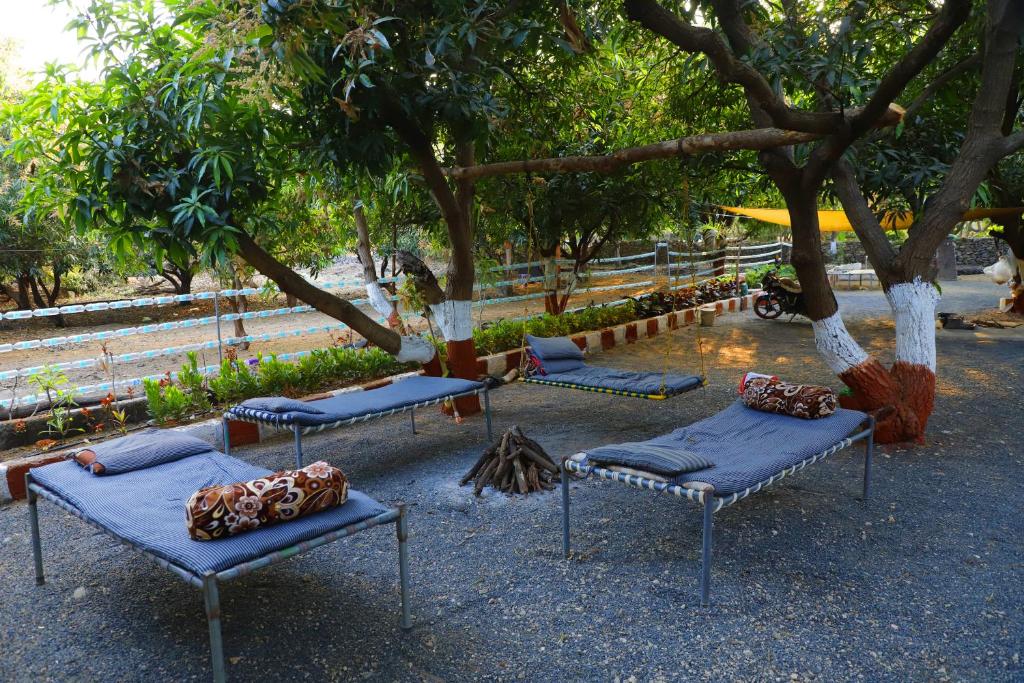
(806, 401)
(220, 511)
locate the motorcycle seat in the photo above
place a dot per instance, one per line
(790, 285)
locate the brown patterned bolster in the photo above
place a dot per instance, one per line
(220, 511)
(806, 401)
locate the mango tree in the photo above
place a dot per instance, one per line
(166, 154)
(829, 76)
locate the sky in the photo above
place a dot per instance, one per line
(37, 30)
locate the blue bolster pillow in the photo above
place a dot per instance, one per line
(280, 404)
(554, 348)
(562, 365)
(140, 450)
(669, 461)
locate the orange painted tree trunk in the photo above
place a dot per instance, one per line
(902, 397)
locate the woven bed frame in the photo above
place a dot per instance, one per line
(703, 494)
(604, 390)
(208, 583)
(273, 420)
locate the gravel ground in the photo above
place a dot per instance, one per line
(809, 582)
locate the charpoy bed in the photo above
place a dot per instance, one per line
(748, 450)
(404, 395)
(145, 510)
(558, 362)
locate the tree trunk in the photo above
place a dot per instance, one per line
(452, 315)
(902, 397)
(552, 282)
(379, 299)
(240, 305)
(406, 349)
(1011, 231)
(455, 315)
(38, 288)
(24, 284)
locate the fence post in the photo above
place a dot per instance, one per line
(216, 313)
(509, 290)
(668, 263)
(736, 282)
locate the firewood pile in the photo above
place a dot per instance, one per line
(514, 464)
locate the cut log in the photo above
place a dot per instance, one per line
(513, 464)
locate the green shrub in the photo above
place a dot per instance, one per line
(755, 275)
(508, 334)
(193, 384)
(322, 368)
(167, 402)
(170, 401)
(234, 382)
(277, 378)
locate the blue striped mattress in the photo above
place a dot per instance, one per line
(592, 376)
(354, 404)
(146, 507)
(748, 446)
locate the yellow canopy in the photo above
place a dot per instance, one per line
(836, 221)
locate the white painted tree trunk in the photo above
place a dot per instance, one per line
(913, 305)
(379, 299)
(416, 350)
(455, 318)
(550, 274)
(835, 344)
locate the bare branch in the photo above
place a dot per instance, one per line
(290, 282)
(1013, 143)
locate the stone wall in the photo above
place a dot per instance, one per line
(979, 251)
(976, 251)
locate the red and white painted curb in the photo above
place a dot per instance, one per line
(12, 472)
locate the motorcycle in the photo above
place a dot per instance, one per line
(780, 295)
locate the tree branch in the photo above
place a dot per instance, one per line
(694, 39)
(869, 231)
(941, 80)
(1012, 143)
(983, 146)
(291, 282)
(950, 17)
(756, 139)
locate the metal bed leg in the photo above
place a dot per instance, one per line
(869, 451)
(705, 554)
(211, 600)
(33, 518)
(402, 529)
(487, 414)
(298, 446)
(225, 434)
(565, 510)
(412, 419)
